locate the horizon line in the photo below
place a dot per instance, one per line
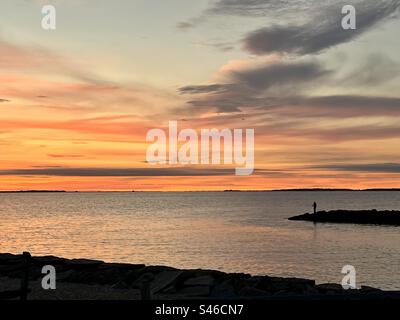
(183, 191)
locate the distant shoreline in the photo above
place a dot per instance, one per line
(199, 191)
(37, 191)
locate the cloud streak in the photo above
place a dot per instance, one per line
(319, 34)
(369, 167)
(30, 57)
(248, 87)
(119, 172)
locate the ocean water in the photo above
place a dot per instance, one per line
(233, 232)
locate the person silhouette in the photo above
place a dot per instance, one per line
(315, 207)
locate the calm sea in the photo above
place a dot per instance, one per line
(234, 232)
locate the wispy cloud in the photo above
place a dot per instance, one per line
(26, 57)
(368, 167)
(321, 32)
(250, 87)
(119, 172)
(125, 125)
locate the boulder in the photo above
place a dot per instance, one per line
(120, 285)
(8, 258)
(275, 284)
(198, 291)
(200, 281)
(164, 279)
(369, 289)
(49, 260)
(144, 277)
(252, 292)
(224, 290)
(83, 263)
(330, 288)
(124, 267)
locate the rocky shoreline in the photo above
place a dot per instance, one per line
(373, 217)
(82, 279)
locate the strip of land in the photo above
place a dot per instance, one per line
(244, 191)
(373, 217)
(83, 279)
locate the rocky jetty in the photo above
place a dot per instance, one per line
(92, 279)
(353, 216)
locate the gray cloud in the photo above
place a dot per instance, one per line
(263, 78)
(315, 25)
(312, 130)
(321, 32)
(281, 86)
(273, 10)
(265, 8)
(118, 172)
(203, 88)
(229, 102)
(350, 134)
(218, 44)
(185, 25)
(342, 105)
(4, 100)
(280, 74)
(355, 101)
(250, 87)
(335, 106)
(370, 167)
(376, 69)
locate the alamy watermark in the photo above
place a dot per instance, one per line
(185, 147)
(49, 17)
(349, 280)
(49, 280)
(349, 21)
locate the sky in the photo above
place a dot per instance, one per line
(77, 102)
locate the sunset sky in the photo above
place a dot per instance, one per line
(76, 103)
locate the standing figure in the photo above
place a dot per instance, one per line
(315, 207)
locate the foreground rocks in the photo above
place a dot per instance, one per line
(351, 216)
(92, 279)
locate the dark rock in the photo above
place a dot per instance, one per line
(75, 276)
(120, 285)
(133, 275)
(353, 216)
(330, 288)
(200, 281)
(167, 282)
(164, 279)
(88, 276)
(8, 258)
(369, 289)
(199, 291)
(83, 263)
(224, 290)
(124, 267)
(144, 277)
(252, 292)
(157, 269)
(274, 284)
(169, 290)
(199, 273)
(66, 275)
(49, 260)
